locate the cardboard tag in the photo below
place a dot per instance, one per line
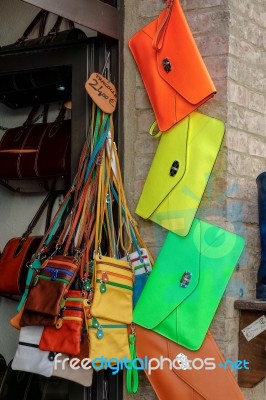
(102, 92)
(254, 329)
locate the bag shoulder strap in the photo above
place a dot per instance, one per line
(48, 203)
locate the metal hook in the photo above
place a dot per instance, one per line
(106, 63)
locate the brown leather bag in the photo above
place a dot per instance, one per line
(47, 289)
(39, 150)
(188, 384)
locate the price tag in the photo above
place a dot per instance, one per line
(68, 105)
(102, 92)
(254, 329)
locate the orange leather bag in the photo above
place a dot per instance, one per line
(65, 336)
(188, 384)
(174, 74)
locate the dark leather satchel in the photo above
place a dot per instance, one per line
(40, 150)
(53, 38)
(26, 88)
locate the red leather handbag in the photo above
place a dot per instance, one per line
(19, 250)
(173, 72)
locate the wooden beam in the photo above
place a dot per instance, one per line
(93, 14)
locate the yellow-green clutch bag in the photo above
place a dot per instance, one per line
(180, 171)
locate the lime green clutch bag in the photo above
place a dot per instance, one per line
(187, 283)
(180, 171)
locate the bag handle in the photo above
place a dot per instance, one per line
(48, 203)
(29, 120)
(159, 36)
(41, 16)
(33, 113)
(58, 24)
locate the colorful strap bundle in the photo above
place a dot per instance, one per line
(81, 280)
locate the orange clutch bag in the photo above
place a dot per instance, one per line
(194, 375)
(174, 74)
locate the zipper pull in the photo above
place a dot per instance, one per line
(100, 333)
(59, 323)
(35, 280)
(95, 323)
(63, 303)
(86, 308)
(87, 285)
(103, 287)
(54, 275)
(105, 278)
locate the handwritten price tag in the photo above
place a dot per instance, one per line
(102, 92)
(254, 329)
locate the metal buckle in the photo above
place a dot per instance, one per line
(166, 65)
(174, 168)
(185, 280)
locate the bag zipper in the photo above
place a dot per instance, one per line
(109, 326)
(35, 346)
(55, 272)
(73, 308)
(103, 287)
(65, 300)
(72, 265)
(48, 278)
(138, 259)
(99, 327)
(143, 266)
(106, 273)
(116, 266)
(74, 299)
(59, 322)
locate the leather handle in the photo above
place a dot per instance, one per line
(43, 24)
(159, 37)
(58, 24)
(41, 16)
(33, 113)
(48, 203)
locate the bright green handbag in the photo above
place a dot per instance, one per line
(187, 283)
(180, 171)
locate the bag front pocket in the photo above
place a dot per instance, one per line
(113, 290)
(108, 341)
(65, 336)
(48, 288)
(29, 357)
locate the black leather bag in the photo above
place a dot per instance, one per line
(55, 37)
(27, 88)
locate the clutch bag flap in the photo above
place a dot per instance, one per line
(179, 172)
(172, 69)
(188, 76)
(187, 283)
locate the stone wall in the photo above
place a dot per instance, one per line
(246, 150)
(231, 36)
